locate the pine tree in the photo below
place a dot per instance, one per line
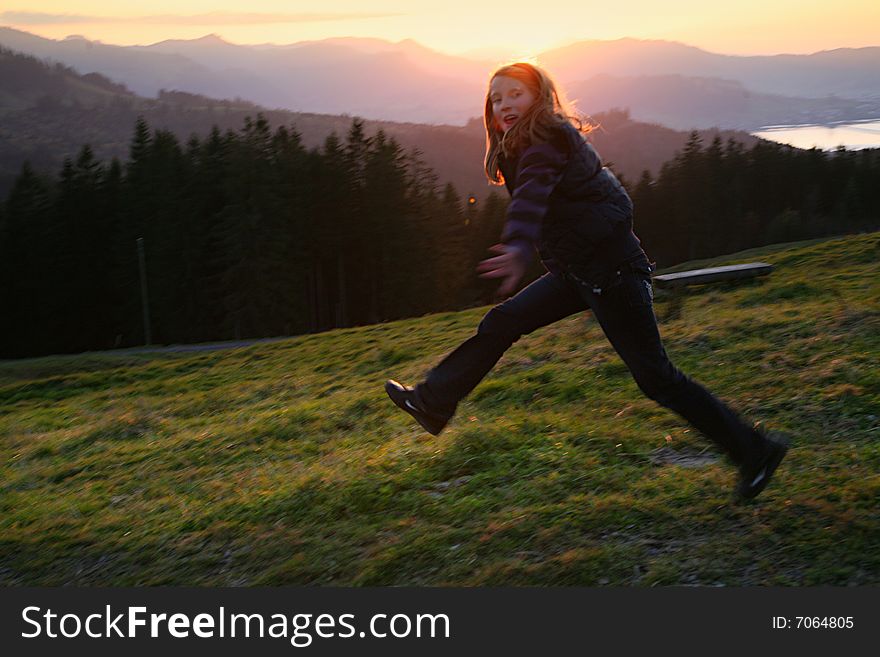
(166, 238)
(208, 161)
(250, 227)
(138, 207)
(327, 211)
(387, 217)
(690, 197)
(82, 231)
(27, 266)
(291, 162)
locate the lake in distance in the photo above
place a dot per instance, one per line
(853, 135)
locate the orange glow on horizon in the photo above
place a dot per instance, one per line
(518, 30)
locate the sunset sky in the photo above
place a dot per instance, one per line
(510, 27)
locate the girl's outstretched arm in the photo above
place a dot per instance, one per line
(510, 265)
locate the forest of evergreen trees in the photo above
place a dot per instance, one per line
(248, 234)
(724, 198)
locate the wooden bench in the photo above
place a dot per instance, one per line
(712, 275)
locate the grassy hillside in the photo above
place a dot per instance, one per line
(284, 463)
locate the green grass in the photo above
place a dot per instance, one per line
(284, 463)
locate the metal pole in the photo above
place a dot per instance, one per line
(145, 300)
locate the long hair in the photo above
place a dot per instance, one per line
(549, 111)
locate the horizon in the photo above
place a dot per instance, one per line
(752, 29)
(474, 54)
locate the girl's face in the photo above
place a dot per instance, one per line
(510, 99)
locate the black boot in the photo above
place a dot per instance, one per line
(755, 474)
(406, 398)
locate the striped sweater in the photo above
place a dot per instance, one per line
(530, 181)
(569, 207)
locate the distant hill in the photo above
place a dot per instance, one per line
(143, 73)
(49, 111)
(27, 82)
(684, 102)
(334, 77)
(407, 82)
(846, 72)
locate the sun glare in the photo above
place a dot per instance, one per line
(527, 56)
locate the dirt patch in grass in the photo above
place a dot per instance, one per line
(683, 458)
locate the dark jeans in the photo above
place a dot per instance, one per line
(624, 310)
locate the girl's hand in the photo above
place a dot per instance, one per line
(509, 266)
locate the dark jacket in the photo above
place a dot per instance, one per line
(571, 208)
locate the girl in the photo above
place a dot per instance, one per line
(577, 215)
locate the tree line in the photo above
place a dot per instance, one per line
(248, 234)
(724, 198)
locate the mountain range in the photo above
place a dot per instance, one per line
(49, 111)
(679, 86)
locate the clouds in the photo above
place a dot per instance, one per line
(211, 18)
